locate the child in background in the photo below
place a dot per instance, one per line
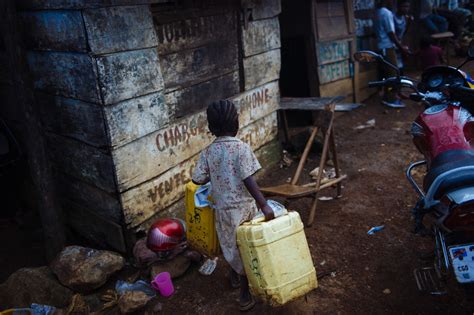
(229, 164)
(429, 54)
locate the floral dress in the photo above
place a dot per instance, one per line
(226, 163)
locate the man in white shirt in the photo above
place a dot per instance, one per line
(387, 42)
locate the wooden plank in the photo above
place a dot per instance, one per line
(181, 30)
(135, 118)
(129, 74)
(262, 68)
(261, 36)
(104, 204)
(341, 87)
(366, 76)
(262, 9)
(308, 103)
(356, 71)
(330, 52)
(196, 97)
(192, 66)
(157, 152)
(257, 103)
(116, 29)
(93, 227)
(330, 8)
(79, 4)
(54, 30)
(82, 161)
(332, 27)
(333, 71)
(73, 118)
(144, 201)
(268, 155)
(67, 74)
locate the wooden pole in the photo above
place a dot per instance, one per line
(34, 142)
(304, 157)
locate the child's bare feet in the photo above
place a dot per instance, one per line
(247, 302)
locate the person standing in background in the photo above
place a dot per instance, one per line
(387, 43)
(400, 19)
(434, 23)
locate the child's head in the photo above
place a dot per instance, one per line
(426, 42)
(223, 118)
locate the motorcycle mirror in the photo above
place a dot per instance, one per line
(366, 56)
(470, 50)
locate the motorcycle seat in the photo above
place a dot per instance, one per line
(451, 170)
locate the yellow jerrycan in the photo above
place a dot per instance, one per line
(200, 224)
(276, 258)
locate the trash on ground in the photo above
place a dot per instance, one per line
(110, 297)
(133, 301)
(39, 309)
(77, 306)
(163, 284)
(368, 124)
(347, 107)
(327, 174)
(387, 291)
(286, 160)
(322, 263)
(375, 229)
(122, 286)
(208, 267)
(333, 274)
(325, 198)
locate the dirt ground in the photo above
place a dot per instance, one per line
(372, 274)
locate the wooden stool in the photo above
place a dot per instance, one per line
(324, 123)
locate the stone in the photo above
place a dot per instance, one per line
(176, 267)
(132, 301)
(85, 269)
(33, 285)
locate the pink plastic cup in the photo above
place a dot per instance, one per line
(163, 284)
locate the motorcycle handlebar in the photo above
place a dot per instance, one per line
(377, 83)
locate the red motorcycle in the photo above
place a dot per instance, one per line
(443, 133)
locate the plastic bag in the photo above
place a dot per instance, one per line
(38, 309)
(201, 197)
(122, 286)
(278, 210)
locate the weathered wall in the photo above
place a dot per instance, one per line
(99, 85)
(208, 54)
(123, 87)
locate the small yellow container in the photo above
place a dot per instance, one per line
(200, 224)
(276, 258)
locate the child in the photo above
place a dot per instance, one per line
(429, 54)
(229, 164)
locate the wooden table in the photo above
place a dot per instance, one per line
(322, 110)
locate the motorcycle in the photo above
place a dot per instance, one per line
(444, 134)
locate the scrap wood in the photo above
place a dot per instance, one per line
(78, 306)
(327, 183)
